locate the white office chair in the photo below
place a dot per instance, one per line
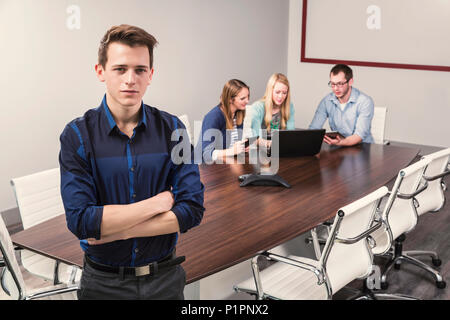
(39, 199)
(185, 119)
(378, 125)
(432, 199)
(346, 257)
(12, 281)
(399, 217)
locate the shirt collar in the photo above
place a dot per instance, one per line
(353, 96)
(112, 123)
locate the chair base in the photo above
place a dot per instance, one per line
(399, 256)
(367, 294)
(385, 296)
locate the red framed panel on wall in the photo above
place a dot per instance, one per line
(405, 34)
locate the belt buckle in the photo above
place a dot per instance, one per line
(142, 271)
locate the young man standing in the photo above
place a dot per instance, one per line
(349, 111)
(124, 197)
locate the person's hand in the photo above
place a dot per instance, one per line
(95, 242)
(246, 148)
(165, 200)
(110, 238)
(239, 147)
(331, 141)
(264, 143)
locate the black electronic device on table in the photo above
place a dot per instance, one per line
(252, 179)
(334, 135)
(297, 142)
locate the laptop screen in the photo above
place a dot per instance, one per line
(298, 142)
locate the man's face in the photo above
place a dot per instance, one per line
(340, 85)
(126, 74)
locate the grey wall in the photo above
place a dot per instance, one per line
(418, 101)
(48, 70)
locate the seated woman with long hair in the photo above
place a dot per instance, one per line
(274, 111)
(222, 126)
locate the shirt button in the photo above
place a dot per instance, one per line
(134, 195)
(132, 169)
(136, 250)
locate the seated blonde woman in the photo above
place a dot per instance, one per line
(274, 111)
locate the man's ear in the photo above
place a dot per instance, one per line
(350, 82)
(99, 71)
(150, 76)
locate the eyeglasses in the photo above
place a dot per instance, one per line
(339, 84)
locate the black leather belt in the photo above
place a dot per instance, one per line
(148, 269)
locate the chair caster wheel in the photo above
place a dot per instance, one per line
(384, 285)
(440, 284)
(397, 266)
(436, 262)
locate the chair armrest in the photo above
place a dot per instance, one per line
(50, 291)
(360, 236)
(441, 175)
(407, 196)
(296, 263)
(275, 257)
(316, 243)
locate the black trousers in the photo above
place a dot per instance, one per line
(167, 284)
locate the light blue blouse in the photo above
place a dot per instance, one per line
(258, 112)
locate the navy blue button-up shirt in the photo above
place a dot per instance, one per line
(100, 166)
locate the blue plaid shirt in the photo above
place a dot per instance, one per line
(355, 119)
(101, 166)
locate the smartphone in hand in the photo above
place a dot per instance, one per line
(334, 135)
(250, 140)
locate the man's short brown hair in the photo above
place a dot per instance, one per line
(342, 68)
(129, 35)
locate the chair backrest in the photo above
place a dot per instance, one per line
(432, 199)
(11, 278)
(38, 196)
(378, 124)
(185, 119)
(344, 262)
(399, 214)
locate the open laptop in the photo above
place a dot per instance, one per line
(298, 142)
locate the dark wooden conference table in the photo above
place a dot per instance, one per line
(242, 221)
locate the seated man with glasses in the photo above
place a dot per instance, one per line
(349, 111)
